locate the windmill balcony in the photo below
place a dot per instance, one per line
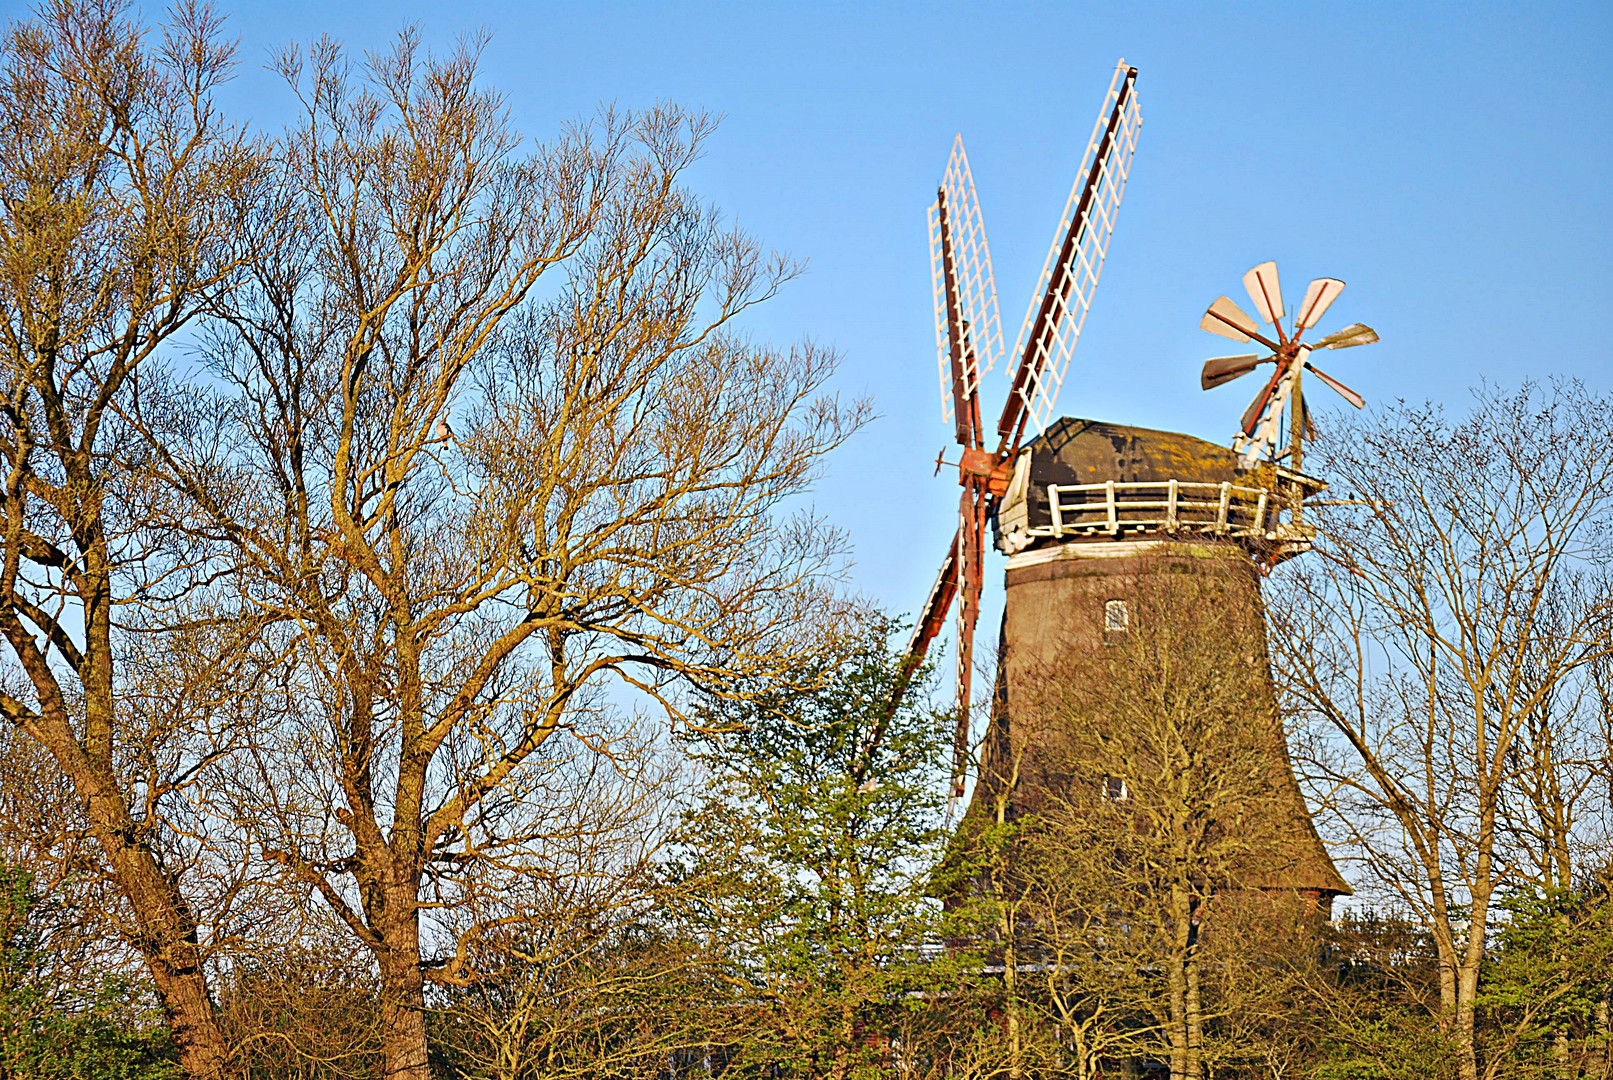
(1086, 483)
(1169, 506)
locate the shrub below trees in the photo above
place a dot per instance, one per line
(51, 1031)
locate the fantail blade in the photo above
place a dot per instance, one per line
(1223, 369)
(1318, 298)
(1229, 320)
(1344, 391)
(1349, 337)
(1264, 291)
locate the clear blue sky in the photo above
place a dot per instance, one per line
(1450, 162)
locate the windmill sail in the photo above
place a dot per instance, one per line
(1070, 275)
(968, 338)
(971, 532)
(968, 331)
(925, 630)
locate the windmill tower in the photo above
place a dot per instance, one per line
(1085, 506)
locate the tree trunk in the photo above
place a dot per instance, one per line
(189, 1012)
(1016, 1064)
(1083, 1054)
(1467, 975)
(403, 999)
(1183, 990)
(1178, 1032)
(167, 936)
(1194, 1010)
(1467, 988)
(1604, 1031)
(844, 1051)
(1561, 1053)
(175, 962)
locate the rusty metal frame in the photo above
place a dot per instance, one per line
(968, 338)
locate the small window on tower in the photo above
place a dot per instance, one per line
(1114, 789)
(1116, 620)
(1115, 615)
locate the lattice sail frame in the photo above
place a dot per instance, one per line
(977, 290)
(1046, 375)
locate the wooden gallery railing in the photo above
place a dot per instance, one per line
(1168, 506)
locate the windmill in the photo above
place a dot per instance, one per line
(969, 343)
(1262, 421)
(1087, 510)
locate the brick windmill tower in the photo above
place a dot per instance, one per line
(1083, 508)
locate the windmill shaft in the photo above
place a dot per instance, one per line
(1296, 441)
(1038, 344)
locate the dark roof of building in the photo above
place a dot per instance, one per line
(1075, 451)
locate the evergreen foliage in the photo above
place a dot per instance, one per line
(808, 860)
(113, 1033)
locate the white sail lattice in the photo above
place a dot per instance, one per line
(975, 299)
(1069, 279)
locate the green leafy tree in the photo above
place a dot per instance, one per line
(811, 850)
(1545, 990)
(1377, 999)
(113, 1033)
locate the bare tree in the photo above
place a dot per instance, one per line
(480, 514)
(120, 205)
(301, 1009)
(1438, 647)
(1091, 981)
(579, 972)
(1554, 810)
